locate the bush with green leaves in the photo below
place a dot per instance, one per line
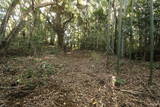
(120, 81)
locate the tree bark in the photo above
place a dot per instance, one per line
(60, 40)
(119, 37)
(131, 31)
(115, 27)
(150, 81)
(6, 18)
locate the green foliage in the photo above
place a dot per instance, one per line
(55, 51)
(29, 74)
(47, 69)
(120, 82)
(156, 66)
(44, 71)
(99, 14)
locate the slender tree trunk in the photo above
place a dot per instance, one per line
(131, 31)
(116, 32)
(122, 46)
(32, 25)
(151, 42)
(108, 26)
(115, 27)
(97, 42)
(119, 37)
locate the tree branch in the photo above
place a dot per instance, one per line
(6, 18)
(67, 21)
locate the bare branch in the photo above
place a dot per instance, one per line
(67, 21)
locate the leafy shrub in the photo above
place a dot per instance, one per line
(120, 82)
(55, 51)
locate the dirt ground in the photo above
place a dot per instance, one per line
(76, 79)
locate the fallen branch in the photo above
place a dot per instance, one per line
(138, 93)
(129, 91)
(2, 88)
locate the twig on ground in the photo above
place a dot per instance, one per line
(129, 91)
(2, 88)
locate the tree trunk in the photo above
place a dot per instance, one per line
(115, 27)
(52, 40)
(151, 43)
(115, 38)
(122, 46)
(119, 37)
(5, 20)
(131, 31)
(60, 40)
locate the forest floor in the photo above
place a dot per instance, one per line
(76, 79)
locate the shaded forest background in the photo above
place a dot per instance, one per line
(78, 24)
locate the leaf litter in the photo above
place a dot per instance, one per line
(77, 79)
